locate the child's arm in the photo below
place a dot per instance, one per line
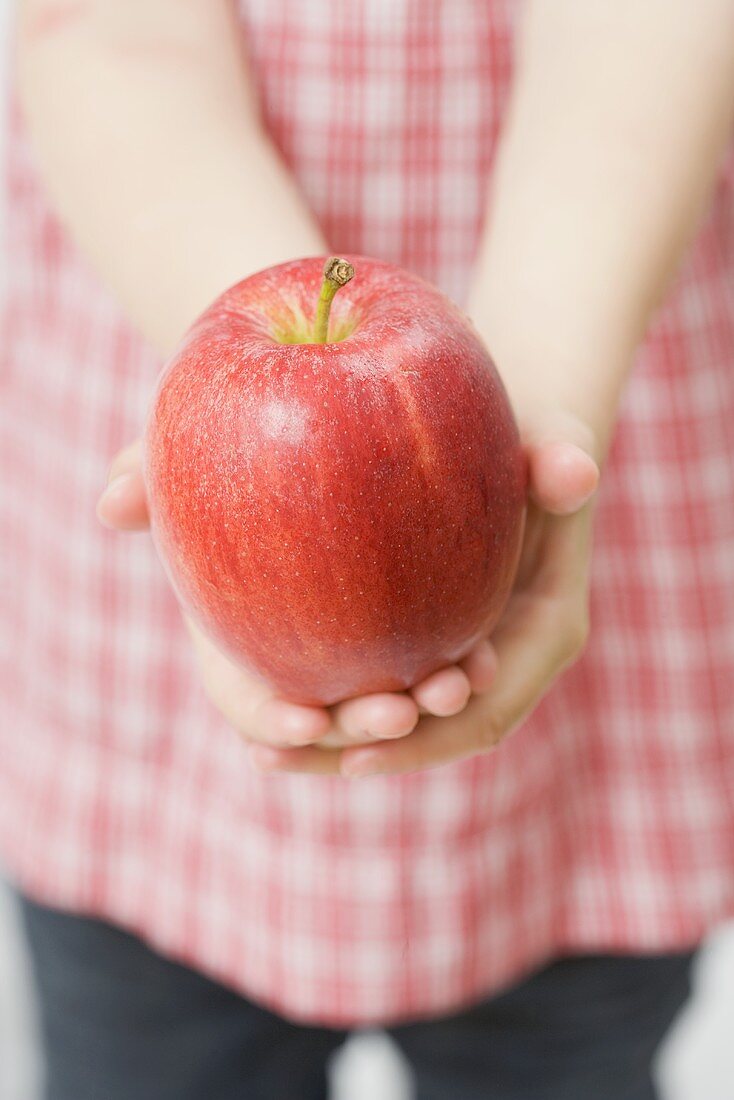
(620, 113)
(149, 142)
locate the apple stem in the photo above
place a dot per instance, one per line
(337, 273)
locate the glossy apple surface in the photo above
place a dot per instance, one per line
(340, 518)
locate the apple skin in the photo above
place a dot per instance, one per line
(340, 518)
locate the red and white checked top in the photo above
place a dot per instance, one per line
(607, 822)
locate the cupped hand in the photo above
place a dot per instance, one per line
(542, 630)
(251, 707)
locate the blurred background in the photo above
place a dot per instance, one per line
(697, 1064)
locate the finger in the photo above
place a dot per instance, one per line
(532, 649)
(125, 461)
(311, 761)
(251, 709)
(248, 704)
(379, 715)
(435, 741)
(563, 476)
(444, 693)
(480, 666)
(267, 720)
(282, 723)
(123, 505)
(563, 473)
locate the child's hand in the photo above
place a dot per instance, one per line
(542, 630)
(250, 706)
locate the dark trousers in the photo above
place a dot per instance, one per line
(122, 1023)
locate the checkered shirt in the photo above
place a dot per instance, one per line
(605, 823)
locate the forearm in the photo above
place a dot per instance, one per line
(619, 117)
(149, 143)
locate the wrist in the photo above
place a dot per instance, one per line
(556, 375)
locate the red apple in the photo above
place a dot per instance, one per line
(342, 517)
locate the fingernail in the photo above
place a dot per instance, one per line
(287, 727)
(298, 740)
(575, 504)
(360, 766)
(114, 487)
(290, 729)
(390, 735)
(360, 736)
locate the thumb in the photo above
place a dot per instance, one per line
(563, 472)
(123, 506)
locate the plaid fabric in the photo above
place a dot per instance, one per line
(607, 822)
